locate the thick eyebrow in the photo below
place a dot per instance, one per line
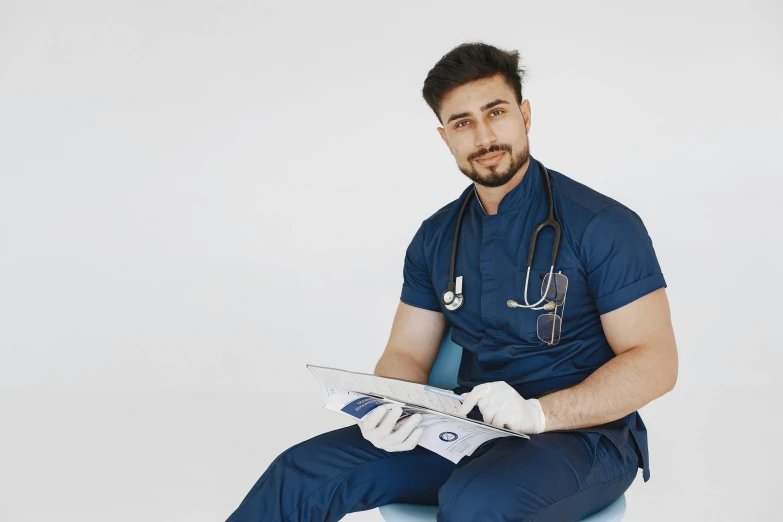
(485, 107)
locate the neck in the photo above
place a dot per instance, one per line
(490, 197)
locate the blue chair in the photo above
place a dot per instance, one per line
(444, 375)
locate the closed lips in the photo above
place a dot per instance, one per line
(490, 157)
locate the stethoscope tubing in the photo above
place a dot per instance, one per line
(453, 298)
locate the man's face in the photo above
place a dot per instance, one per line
(481, 120)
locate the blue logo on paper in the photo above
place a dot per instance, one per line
(448, 436)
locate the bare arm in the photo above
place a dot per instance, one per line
(413, 345)
(641, 335)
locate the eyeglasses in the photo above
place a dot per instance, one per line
(549, 325)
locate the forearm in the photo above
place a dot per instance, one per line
(619, 387)
(399, 366)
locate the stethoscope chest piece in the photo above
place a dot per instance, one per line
(452, 297)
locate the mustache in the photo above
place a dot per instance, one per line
(493, 148)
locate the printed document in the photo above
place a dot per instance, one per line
(445, 432)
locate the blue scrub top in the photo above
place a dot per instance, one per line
(605, 252)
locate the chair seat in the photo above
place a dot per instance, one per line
(417, 513)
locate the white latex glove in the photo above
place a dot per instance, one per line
(377, 427)
(503, 407)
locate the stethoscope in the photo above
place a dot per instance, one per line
(453, 297)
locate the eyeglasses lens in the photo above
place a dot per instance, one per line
(557, 290)
(548, 327)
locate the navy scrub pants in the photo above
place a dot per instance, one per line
(558, 476)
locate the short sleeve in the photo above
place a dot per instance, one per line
(619, 259)
(417, 289)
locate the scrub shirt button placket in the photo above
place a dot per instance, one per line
(489, 237)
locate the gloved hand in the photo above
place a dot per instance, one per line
(503, 407)
(377, 427)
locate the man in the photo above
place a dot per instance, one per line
(604, 352)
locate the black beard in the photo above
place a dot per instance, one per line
(497, 179)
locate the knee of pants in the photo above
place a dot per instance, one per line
(470, 502)
(311, 458)
(302, 459)
(507, 483)
(508, 488)
(292, 476)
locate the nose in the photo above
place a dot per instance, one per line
(484, 135)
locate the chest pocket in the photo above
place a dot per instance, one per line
(528, 319)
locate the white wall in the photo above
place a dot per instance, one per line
(197, 199)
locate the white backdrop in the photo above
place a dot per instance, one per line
(197, 199)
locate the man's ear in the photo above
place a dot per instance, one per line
(442, 133)
(524, 108)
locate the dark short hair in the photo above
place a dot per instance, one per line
(469, 62)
